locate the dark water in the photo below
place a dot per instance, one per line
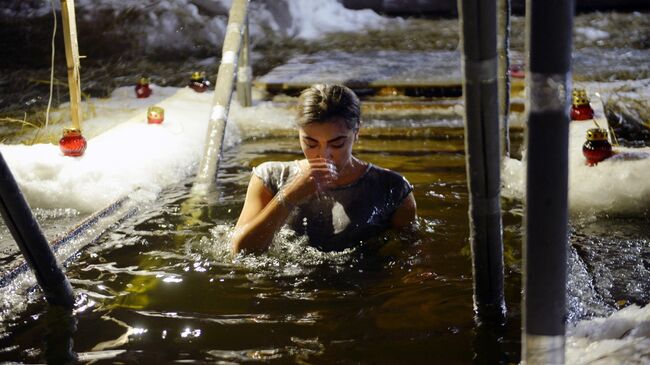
(162, 287)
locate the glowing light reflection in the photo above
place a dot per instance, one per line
(188, 332)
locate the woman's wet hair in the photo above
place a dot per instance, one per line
(323, 102)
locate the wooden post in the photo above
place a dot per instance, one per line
(549, 28)
(72, 60)
(244, 71)
(207, 174)
(483, 155)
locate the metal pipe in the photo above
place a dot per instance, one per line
(478, 38)
(31, 241)
(72, 60)
(207, 173)
(84, 233)
(503, 50)
(244, 72)
(549, 29)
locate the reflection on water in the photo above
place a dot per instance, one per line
(164, 287)
(169, 273)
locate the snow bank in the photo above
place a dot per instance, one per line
(125, 153)
(622, 338)
(186, 24)
(615, 186)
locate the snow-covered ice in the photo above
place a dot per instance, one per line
(616, 186)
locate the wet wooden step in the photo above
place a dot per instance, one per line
(373, 74)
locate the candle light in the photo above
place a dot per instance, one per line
(142, 89)
(155, 115)
(72, 143)
(597, 148)
(198, 82)
(580, 108)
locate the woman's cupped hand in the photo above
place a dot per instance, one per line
(315, 176)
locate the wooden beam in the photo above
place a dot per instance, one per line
(72, 60)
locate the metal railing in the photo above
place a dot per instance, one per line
(232, 50)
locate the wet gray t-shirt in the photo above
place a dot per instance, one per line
(341, 217)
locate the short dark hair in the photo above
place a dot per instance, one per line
(323, 102)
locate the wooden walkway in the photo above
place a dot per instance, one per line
(378, 73)
(392, 74)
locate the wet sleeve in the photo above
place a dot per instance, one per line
(265, 172)
(275, 174)
(398, 188)
(401, 190)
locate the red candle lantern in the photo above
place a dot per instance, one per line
(580, 108)
(155, 115)
(517, 71)
(597, 147)
(72, 143)
(198, 82)
(142, 89)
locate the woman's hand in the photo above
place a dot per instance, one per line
(316, 175)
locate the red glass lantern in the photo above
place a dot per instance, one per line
(155, 115)
(517, 71)
(580, 108)
(142, 89)
(198, 82)
(72, 143)
(597, 147)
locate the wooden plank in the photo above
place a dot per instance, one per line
(372, 73)
(72, 60)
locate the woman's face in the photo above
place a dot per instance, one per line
(332, 140)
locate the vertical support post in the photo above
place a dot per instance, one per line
(483, 155)
(503, 50)
(31, 241)
(244, 71)
(549, 29)
(207, 173)
(72, 60)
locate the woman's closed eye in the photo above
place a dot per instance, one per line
(338, 142)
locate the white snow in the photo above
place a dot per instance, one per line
(315, 18)
(622, 338)
(616, 186)
(131, 155)
(125, 153)
(591, 33)
(181, 25)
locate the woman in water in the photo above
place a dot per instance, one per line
(334, 198)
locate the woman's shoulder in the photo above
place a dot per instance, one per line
(273, 166)
(275, 173)
(388, 176)
(395, 186)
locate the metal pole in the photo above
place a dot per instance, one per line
(244, 72)
(478, 37)
(503, 49)
(549, 29)
(72, 60)
(31, 241)
(207, 173)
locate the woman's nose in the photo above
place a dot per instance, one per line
(325, 152)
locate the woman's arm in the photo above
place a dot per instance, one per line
(261, 217)
(263, 214)
(405, 214)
